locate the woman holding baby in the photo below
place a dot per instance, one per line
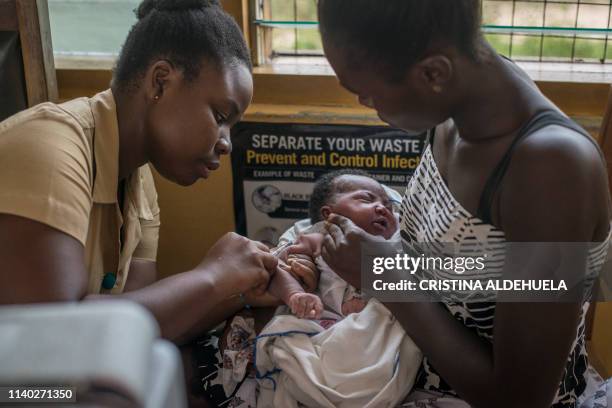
(503, 164)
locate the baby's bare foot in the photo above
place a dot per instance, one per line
(306, 305)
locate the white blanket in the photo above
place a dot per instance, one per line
(365, 360)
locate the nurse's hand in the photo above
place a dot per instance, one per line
(341, 248)
(238, 265)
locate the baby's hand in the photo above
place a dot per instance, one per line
(353, 305)
(306, 305)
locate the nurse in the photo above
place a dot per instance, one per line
(78, 208)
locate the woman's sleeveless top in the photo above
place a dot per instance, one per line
(430, 214)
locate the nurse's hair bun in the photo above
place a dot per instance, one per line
(188, 33)
(149, 6)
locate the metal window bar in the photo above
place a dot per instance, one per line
(566, 30)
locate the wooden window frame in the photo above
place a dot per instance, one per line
(30, 18)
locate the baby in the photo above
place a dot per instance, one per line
(354, 195)
(337, 311)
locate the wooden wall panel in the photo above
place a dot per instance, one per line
(8, 15)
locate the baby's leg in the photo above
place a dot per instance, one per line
(287, 288)
(283, 284)
(305, 271)
(307, 244)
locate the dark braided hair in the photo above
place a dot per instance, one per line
(394, 34)
(326, 187)
(188, 33)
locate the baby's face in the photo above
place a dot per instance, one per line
(365, 202)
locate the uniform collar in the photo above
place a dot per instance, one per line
(106, 153)
(106, 147)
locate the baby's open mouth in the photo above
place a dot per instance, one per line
(381, 222)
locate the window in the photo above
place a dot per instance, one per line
(285, 28)
(90, 27)
(527, 30)
(549, 30)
